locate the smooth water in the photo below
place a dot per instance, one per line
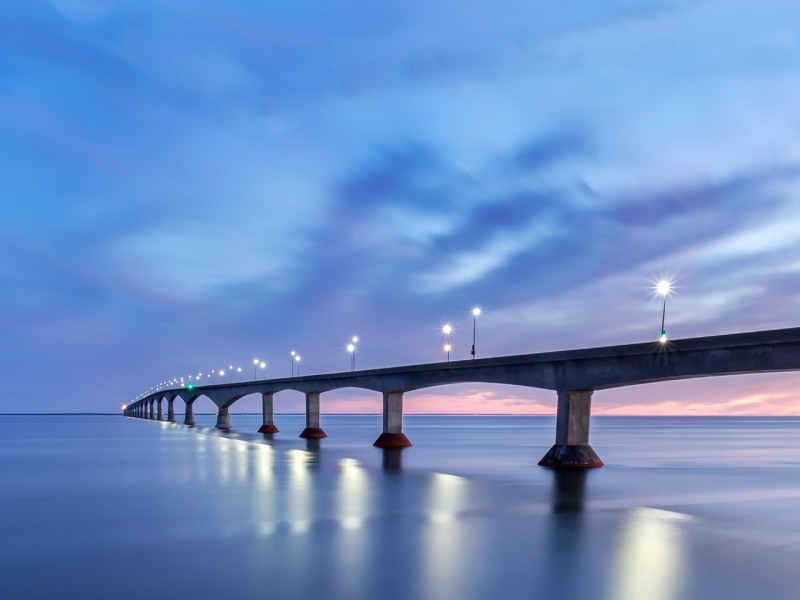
(109, 507)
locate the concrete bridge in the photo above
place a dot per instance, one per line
(573, 374)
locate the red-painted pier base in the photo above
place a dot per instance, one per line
(313, 433)
(392, 440)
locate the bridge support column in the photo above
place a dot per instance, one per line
(160, 416)
(392, 436)
(268, 413)
(572, 447)
(223, 419)
(152, 410)
(189, 417)
(312, 431)
(171, 410)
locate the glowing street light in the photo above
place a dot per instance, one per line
(351, 348)
(475, 312)
(255, 369)
(663, 288)
(263, 365)
(297, 359)
(292, 360)
(240, 374)
(230, 374)
(447, 329)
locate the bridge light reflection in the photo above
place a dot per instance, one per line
(651, 556)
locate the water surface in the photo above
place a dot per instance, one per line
(109, 507)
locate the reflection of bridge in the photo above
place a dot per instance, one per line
(573, 374)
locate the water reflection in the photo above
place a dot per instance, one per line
(565, 534)
(353, 505)
(568, 490)
(300, 507)
(650, 556)
(393, 459)
(444, 539)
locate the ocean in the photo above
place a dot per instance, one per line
(113, 507)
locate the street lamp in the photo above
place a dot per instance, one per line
(240, 374)
(263, 366)
(475, 312)
(351, 348)
(297, 358)
(447, 329)
(212, 377)
(663, 288)
(222, 374)
(292, 360)
(230, 374)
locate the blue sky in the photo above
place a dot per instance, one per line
(189, 185)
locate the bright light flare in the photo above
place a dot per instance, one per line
(351, 348)
(663, 338)
(355, 339)
(663, 287)
(447, 329)
(262, 365)
(447, 347)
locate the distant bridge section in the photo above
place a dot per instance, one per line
(573, 374)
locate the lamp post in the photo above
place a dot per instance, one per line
(475, 312)
(292, 361)
(663, 288)
(351, 348)
(263, 366)
(255, 368)
(240, 374)
(212, 378)
(230, 374)
(297, 359)
(447, 329)
(222, 374)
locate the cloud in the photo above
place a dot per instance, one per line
(246, 180)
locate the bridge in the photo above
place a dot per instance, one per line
(573, 374)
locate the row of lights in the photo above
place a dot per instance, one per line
(662, 288)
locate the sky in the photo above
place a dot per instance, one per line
(191, 185)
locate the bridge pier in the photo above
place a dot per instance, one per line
(152, 410)
(312, 431)
(171, 410)
(268, 414)
(572, 447)
(189, 417)
(392, 436)
(224, 419)
(160, 416)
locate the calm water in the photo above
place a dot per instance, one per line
(108, 507)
